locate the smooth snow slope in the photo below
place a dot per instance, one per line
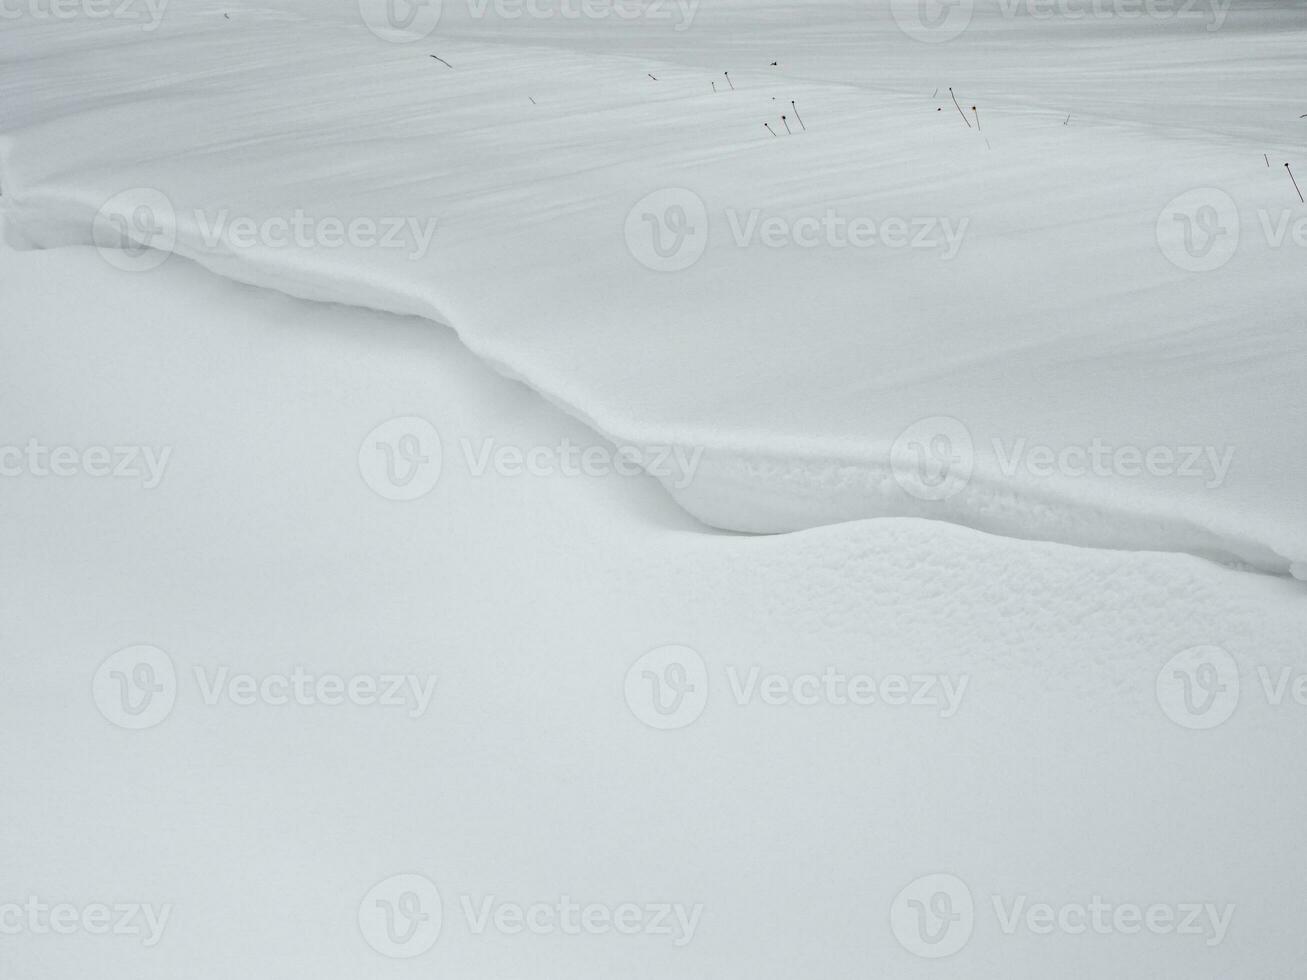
(530, 776)
(1055, 314)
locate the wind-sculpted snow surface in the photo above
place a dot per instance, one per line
(878, 278)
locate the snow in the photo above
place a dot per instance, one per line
(1010, 690)
(1047, 312)
(1059, 775)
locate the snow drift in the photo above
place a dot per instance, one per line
(1044, 311)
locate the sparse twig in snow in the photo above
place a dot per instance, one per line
(769, 129)
(797, 116)
(960, 112)
(728, 80)
(1295, 184)
(788, 131)
(442, 61)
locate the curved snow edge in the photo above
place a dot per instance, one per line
(757, 484)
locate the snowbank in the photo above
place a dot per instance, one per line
(1062, 314)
